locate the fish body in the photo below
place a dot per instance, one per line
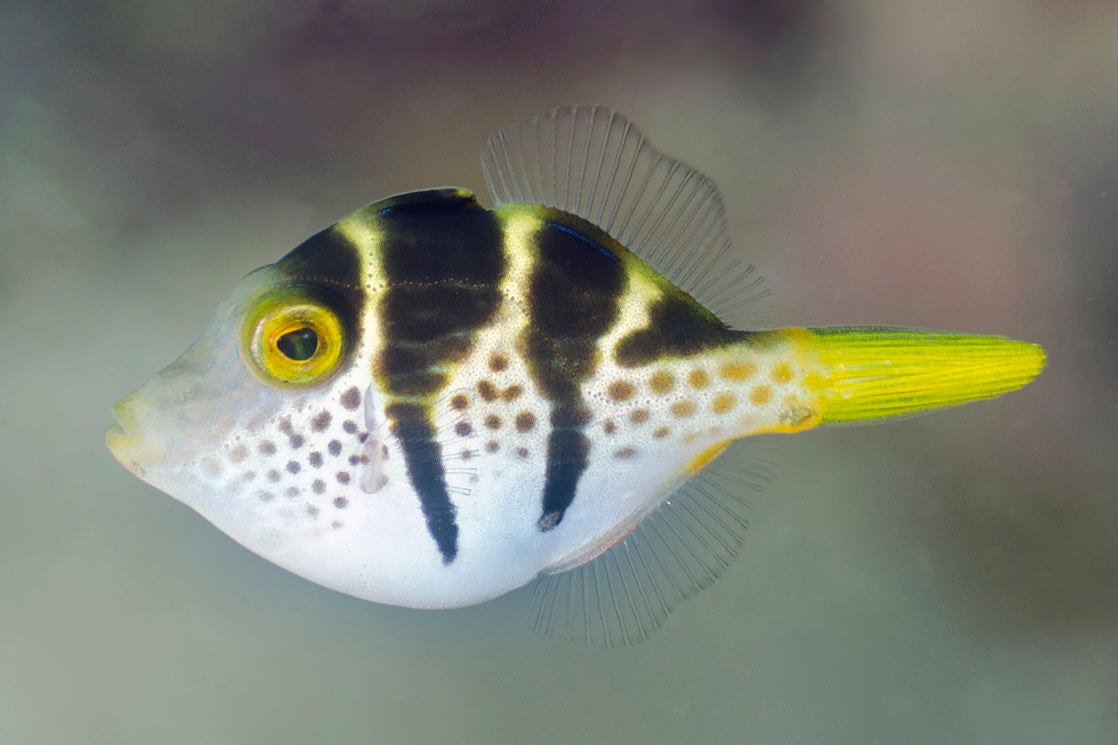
(431, 403)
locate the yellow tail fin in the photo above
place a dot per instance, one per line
(880, 372)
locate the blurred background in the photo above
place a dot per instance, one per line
(950, 165)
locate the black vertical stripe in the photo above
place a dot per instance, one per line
(423, 456)
(573, 294)
(443, 261)
(677, 327)
(328, 266)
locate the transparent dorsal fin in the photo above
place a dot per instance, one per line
(624, 595)
(592, 162)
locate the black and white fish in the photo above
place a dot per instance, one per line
(430, 403)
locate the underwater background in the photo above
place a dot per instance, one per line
(949, 578)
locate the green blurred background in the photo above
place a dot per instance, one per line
(947, 579)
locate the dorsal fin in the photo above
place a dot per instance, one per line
(592, 162)
(624, 595)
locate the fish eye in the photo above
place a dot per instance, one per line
(298, 345)
(294, 341)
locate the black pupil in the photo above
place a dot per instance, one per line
(299, 345)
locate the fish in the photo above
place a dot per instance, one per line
(431, 403)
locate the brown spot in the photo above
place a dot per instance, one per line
(238, 454)
(640, 416)
(698, 378)
(321, 421)
(349, 426)
(609, 427)
(492, 446)
(760, 395)
(312, 510)
(292, 491)
(683, 409)
(351, 399)
(265, 496)
(248, 476)
(341, 502)
(661, 433)
(661, 382)
(267, 447)
(334, 447)
(273, 475)
(498, 362)
(357, 460)
(315, 459)
(459, 402)
(624, 453)
(738, 370)
(723, 403)
(463, 429)
(296, 441)
(467, 454)
(782, 373)
(487, 390)
(343, 477)
(522, 453)
(318, 486)
(335, 525)
(285, 425)
(525, 420)
(511, 393)
(293, 466)
(493, 421)
(621, 390)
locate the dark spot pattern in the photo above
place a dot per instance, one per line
(350, 399)
(525, 421)
(498, 362)
(321, 421)
(487, 390)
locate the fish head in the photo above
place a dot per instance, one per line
(259, 425)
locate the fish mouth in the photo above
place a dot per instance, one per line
(119, 437)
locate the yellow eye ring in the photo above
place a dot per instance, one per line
(295, 342)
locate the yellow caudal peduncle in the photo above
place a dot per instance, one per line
(870, 373)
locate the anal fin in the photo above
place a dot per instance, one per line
(626, 594)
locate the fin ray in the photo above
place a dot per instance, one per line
(594, 163)
(625, 594)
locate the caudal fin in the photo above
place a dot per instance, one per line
(874, 373)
